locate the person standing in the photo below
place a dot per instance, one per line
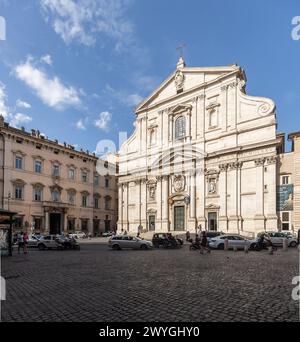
(20, 241)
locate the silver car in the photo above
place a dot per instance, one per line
(234, 241)
(128, 242)
(277, 238)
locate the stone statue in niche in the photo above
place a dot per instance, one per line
(212, 187)
(152, 192)
(179, 80)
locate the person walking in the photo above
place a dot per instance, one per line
(187, 236)
(204, 243)
(25, 239)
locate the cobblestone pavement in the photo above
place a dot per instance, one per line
(97, 284)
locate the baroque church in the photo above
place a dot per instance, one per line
(203, 152)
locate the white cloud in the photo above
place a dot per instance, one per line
(3, 98)
(47, 59)
(12, 118)
(124, 97)
(50, 90)
(23, 104)
(85, 21)
(103, 121)
(19, 118)
(80, 124)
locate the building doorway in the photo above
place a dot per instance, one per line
(212, 221)
(107, 225)
(179, 218)
(55, 223)
(152, 222)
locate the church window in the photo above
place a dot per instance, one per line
(180, 128)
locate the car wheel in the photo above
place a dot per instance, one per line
(293, 244)
(221, 246)
(42, 247)
(116, 247)
(144, 247)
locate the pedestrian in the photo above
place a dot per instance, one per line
(125, 232)
(25, 239)
(204, 243)
(90, 235)
(20, 240)
(187, 236)
(138, 235)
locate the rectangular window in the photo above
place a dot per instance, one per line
(72, 174)
(18, 192)
(96, 203)
(84, 177)
(285, 226)
(55, 170)
(107, 204)
(106, 182)
(19, 162)
(38, 166)
(84, 201)
(71, 198)
(96, 180)
(285, 217)
(285, 180)
(37, 194)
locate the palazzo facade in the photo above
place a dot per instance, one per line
(203, 152)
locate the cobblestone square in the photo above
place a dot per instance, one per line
(98, 284)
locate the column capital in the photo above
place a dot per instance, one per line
(272, 160)
(223, 167)
(259, 161)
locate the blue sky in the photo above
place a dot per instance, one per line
(75, 69)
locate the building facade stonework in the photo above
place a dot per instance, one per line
(52, 187)
(203, 152)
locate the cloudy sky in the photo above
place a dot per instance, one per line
(75, 69)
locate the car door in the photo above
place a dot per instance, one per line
(239, 242)
(277, 239)
(231, 241)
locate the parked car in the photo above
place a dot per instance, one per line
(277, 238)
(107, 234)
(33, 241)
(119, 242)
(50, 242)
(162, 239)
(212, 234)
(234, 241)
(78, 235)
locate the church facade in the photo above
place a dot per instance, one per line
(203, 152)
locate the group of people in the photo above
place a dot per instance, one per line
(201, 241)
(22, 241)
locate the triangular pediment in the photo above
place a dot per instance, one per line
(192, 78)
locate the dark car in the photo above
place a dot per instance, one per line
(166, 240)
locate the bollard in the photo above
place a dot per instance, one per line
(226, 245)
(284, 244)
(246, 249)
(270, 249)
(234, 248)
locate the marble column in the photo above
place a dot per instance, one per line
(165, 211)
(159, 202)
(65, 228)
(125, 209)
(144, 203)
(120, 202)
(47, 222)
(272, 218)
(223, 215)
(201, 194)
(233, 212)
(259, 215)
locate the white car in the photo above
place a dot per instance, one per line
(277, 238)
(78, 235)
(128, 242)
(234, 241)
(49, 242)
